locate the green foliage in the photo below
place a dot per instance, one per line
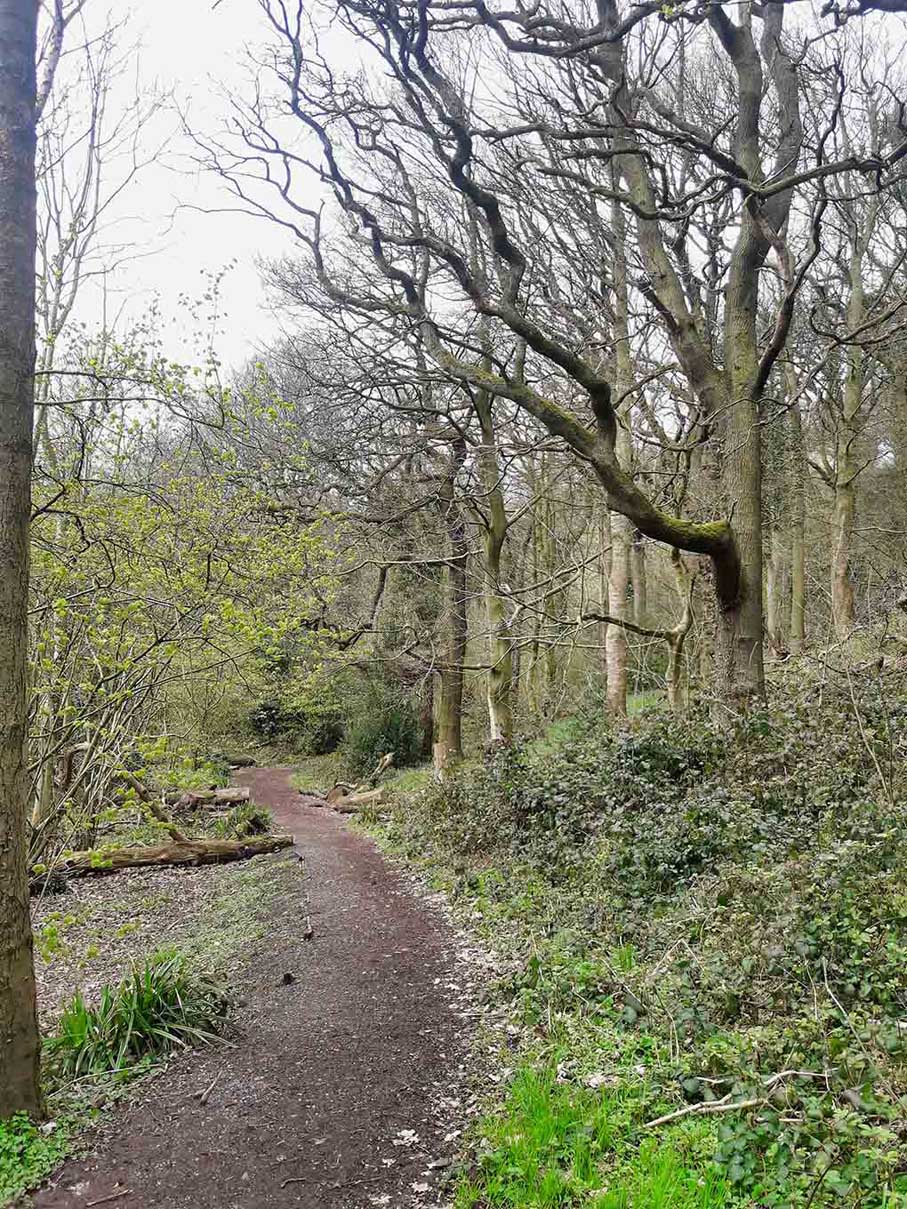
(725, 908)
(314, 729)
(27, 1154)
(554, 1143)
(240, 821)
(165, 588)
(384, 720)
(160, 1006)
(180, 769)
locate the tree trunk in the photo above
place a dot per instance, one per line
(842, 597)
(797, 526)
(427, 717)
(639, 579)
(740, 665)
(616, 640)
(845, 503)
(776, 587)
(448, 746)
(499, 683)
(685, 581)
(621, 526)
(676, 695)
(19, 1037)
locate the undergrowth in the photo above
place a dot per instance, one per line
(160, 1006)
(695, 923)
(27, 1154)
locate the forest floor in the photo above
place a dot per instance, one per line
(345, 1084)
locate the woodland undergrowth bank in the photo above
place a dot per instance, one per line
(704, 938)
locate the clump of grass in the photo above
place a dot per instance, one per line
(159, 1007)
(554, 1143)
(659, 1178)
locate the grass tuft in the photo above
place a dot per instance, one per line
(159, 1007)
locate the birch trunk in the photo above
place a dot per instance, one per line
(797, 527)
(499, 683)
(449, 742)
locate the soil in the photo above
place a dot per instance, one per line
(344, 1082)
(88, 936)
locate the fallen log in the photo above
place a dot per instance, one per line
(189, 797)
(233, 795)
(384, 763)
(338, 791)
(354, 802)
(184, 852)
(342, 792)
(311, 799)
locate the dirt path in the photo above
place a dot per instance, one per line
(335, 1095)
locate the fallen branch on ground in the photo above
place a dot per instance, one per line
(704, 1110)
(153, 806)
(348, 799)
(182, 852)
(354, 802)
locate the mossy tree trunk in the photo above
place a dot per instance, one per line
(19, 1038)
(448, 748)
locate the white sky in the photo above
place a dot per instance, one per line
(195, 50)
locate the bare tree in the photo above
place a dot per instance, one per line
(598, 119)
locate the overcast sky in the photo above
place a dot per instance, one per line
(195, 50)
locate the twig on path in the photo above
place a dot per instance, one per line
(294, 1179)
(112, 1196)
(206, 1094)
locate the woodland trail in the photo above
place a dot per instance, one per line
(335, 1094)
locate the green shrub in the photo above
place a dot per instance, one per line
(314, 730)
(159, 1007)
(384, 720)
(27, 1154)
(268, 719)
